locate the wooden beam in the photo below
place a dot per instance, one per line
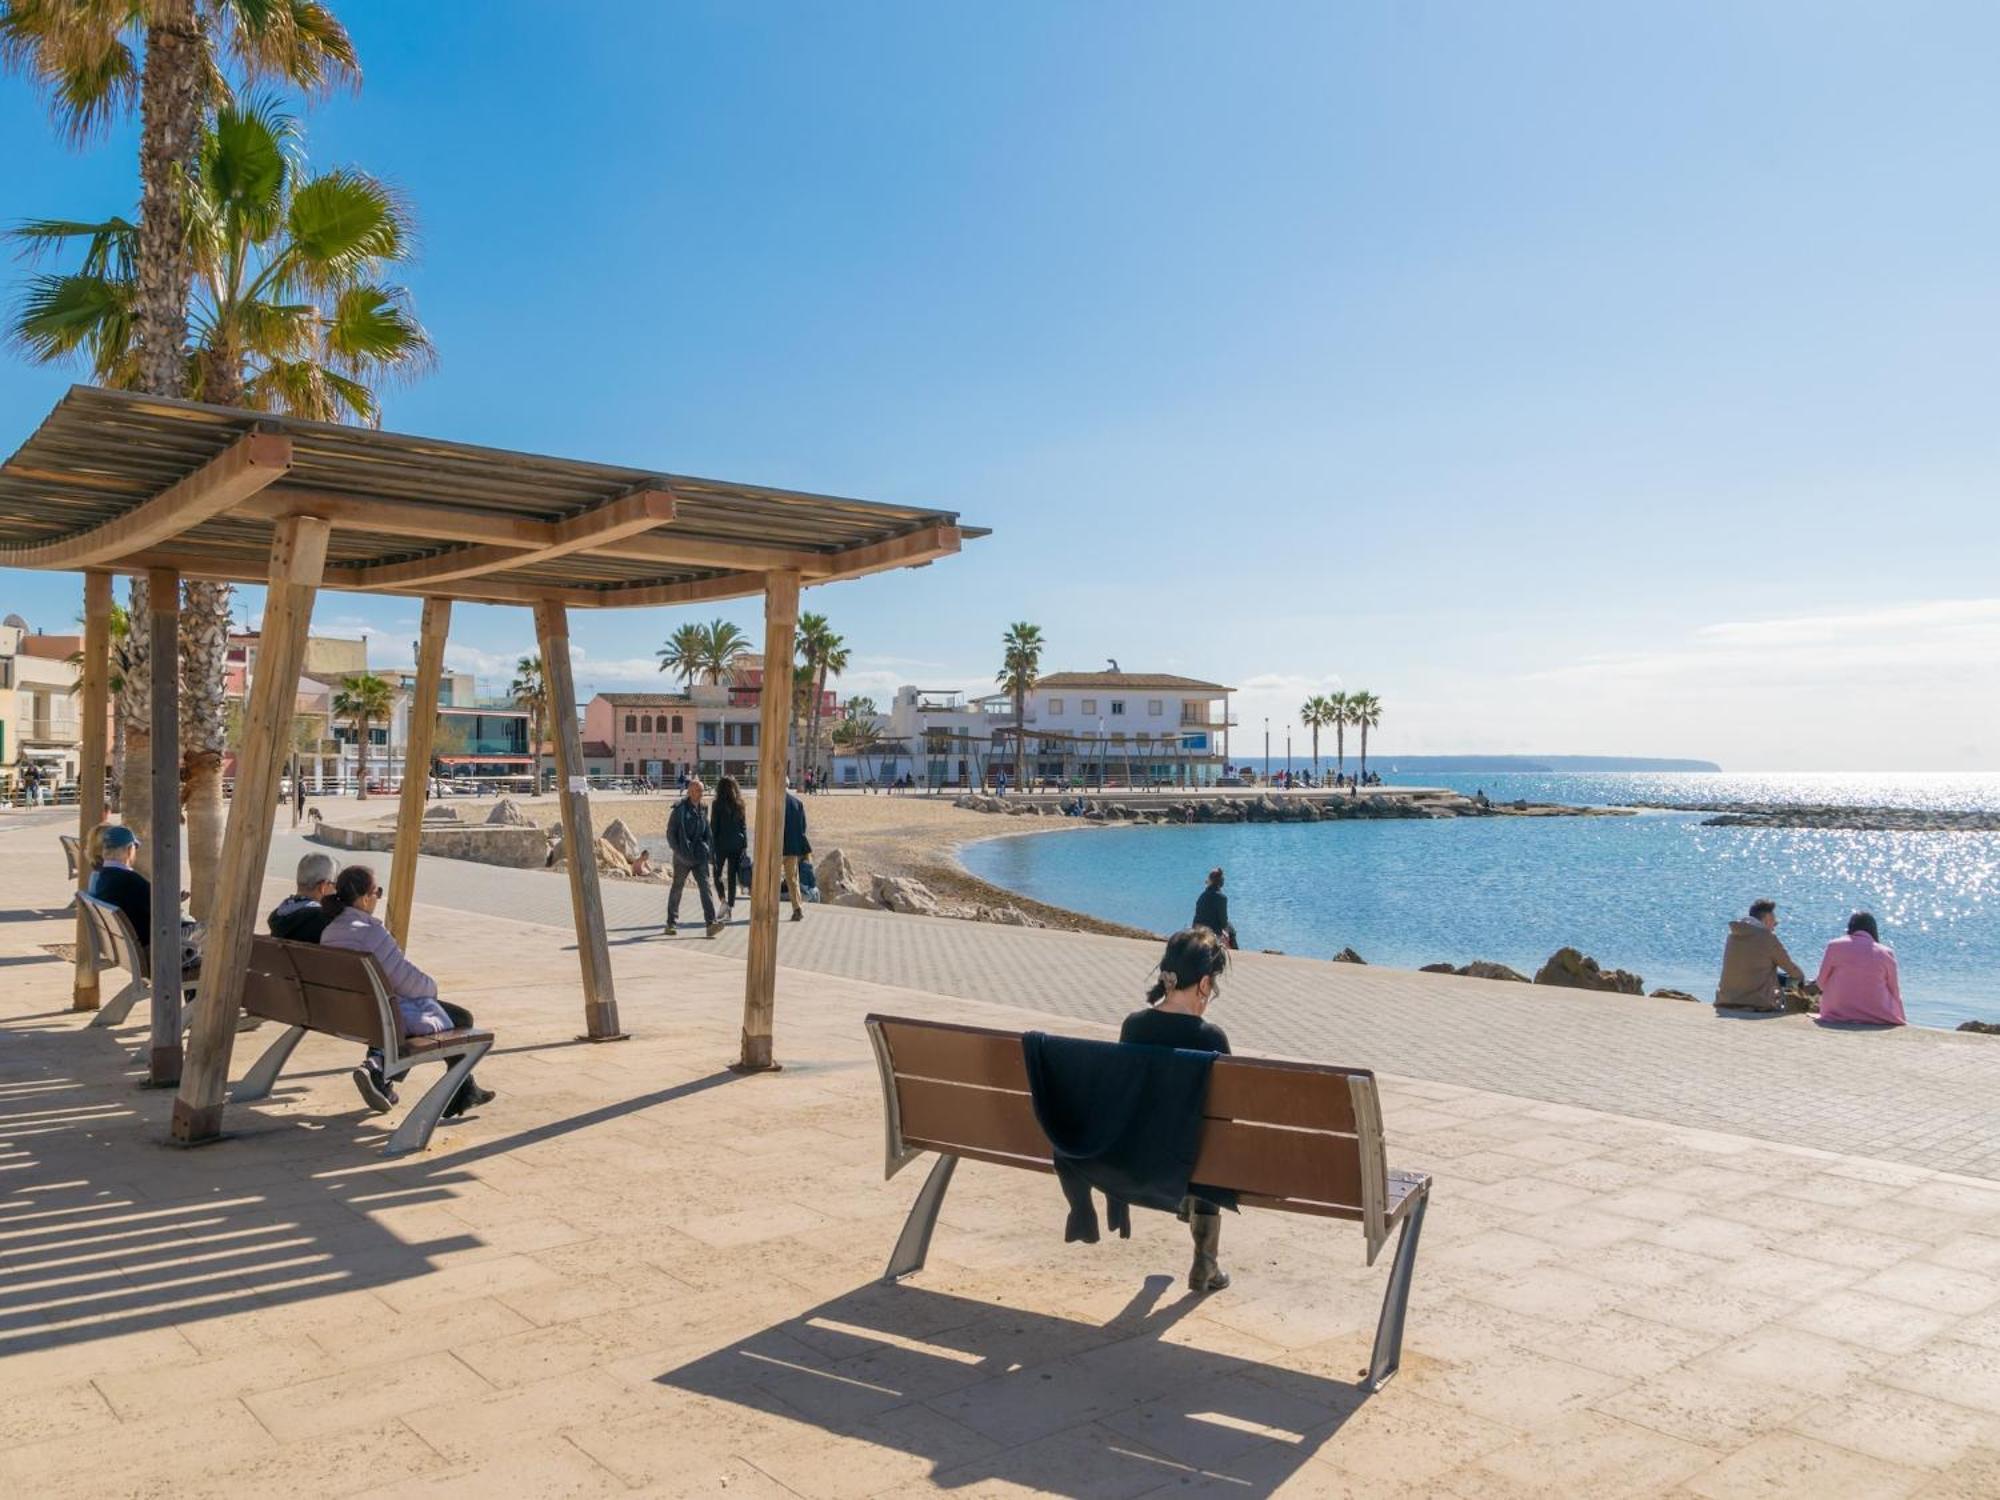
(648, 595)
(600, 998)
(909, 550)
(774, 717)
(163, 1068)
(417, 767)
(253, 462)
(90, 784)
(298, 557)
(623, 517)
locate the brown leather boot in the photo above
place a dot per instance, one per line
(1206, 1275)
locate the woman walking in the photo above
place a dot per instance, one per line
(729, 822)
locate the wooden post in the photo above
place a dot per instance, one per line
(417, 766)
(90, 781)
(600, 998)
(760, 978)
(163, 610)
(298, 557)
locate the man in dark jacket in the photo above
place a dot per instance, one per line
(693, 846)
(797, 848)
(122, 886)
(300, 918)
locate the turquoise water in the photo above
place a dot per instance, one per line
(1651, 893)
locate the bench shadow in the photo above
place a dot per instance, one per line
(1050, 1404)
(34, 913)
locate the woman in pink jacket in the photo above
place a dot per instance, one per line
(1857, 977)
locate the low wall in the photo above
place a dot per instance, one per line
(516, 848)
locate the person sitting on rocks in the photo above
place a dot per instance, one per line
(1752, 960)
(353, 925)
(1857, 977)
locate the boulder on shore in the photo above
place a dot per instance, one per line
(1438, 969)
(506, 813)
(1569, 969)
(1984, 1028)
(1481, 968)
(900, 893)
(439, 812)
(837, 876)
(1348, 956)
(619, 836)
(1674, 995)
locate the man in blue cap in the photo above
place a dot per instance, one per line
(121, 885)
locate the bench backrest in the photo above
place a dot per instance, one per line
(1299, 1137)
(322, 989)
(72, 848)
(113, 943)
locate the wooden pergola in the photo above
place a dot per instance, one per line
(113, 482)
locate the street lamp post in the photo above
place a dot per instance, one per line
(1288, 755)
(1267, 749)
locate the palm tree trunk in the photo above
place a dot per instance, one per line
(135, 710)
(170, 121)
(204, 644)
(1340, 748)
(1364, 750)
(361, 726)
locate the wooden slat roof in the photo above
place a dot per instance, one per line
(100, 454)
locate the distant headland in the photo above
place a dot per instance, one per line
(1548, 763)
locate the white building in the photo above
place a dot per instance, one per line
(39, 724)
(1091, 728)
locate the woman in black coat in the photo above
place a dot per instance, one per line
(731, 829)
(1211, 909)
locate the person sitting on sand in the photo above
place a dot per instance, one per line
(1187, 985)
(1857, 977)
(1752, 960)
(1211, 909)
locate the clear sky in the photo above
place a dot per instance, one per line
(1594, 378)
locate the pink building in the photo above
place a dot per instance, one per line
(646, 734)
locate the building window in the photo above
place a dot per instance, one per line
(708, 734)
(1117, 706)
(1055, 705)
(677, 723)
(631, 724)
(1089, 706)
(646, 724)
(628, 772)
(1155, 707)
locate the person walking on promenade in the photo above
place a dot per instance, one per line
(796, 847)
(1211, 909)
(352, 925)
(1752, 960)
(1174, 1016)
(693, 844)
(1857, 977)
(730, 823)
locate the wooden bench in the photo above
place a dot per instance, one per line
(340, 993)
(1297, 1137)
(114, 945)
(72, 848)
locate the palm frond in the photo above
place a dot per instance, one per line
(299, 41)
(58, 317)
(109, 249)
(244, 164)
(77, 52)
(341, 224)
(373, 331)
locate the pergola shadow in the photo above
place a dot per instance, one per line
(1066, 1407)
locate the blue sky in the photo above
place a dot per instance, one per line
(1586, 378)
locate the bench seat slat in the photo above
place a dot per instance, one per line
(431, 1041)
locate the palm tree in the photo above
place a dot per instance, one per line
(530, 690)
(858, 734)
(684, 652)
(83, 57)
(1312, 714)
(821, 654)
(291, 310)
(361, 701)
(1020, 665)
(1364, 710)
(721, 644)
(203, 639)
(1338, 706)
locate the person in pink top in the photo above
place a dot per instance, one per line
(1857, 977)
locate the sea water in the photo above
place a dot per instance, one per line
(1652, 893)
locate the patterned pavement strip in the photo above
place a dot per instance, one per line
(1928, 1098)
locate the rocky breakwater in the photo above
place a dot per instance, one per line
(1569, 969)
(1268, 807)
(1840, 817)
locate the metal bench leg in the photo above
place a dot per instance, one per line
(257, 1082)
(1388, 1355)
(120, 1005)
(415, 1132)
(914, 1243)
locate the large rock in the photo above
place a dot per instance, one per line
(1438, 969)
(1481, 968)
(1569, 969)
(441, 812)
(506, 813)
(1348, 956)
(837, 876)
(900, 893)
(853, 898)
(619, 836)
(611, 859)
(1985, 1028)
(1674, 995)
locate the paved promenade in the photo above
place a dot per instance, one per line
(637, 1273)
(1930, 1098)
